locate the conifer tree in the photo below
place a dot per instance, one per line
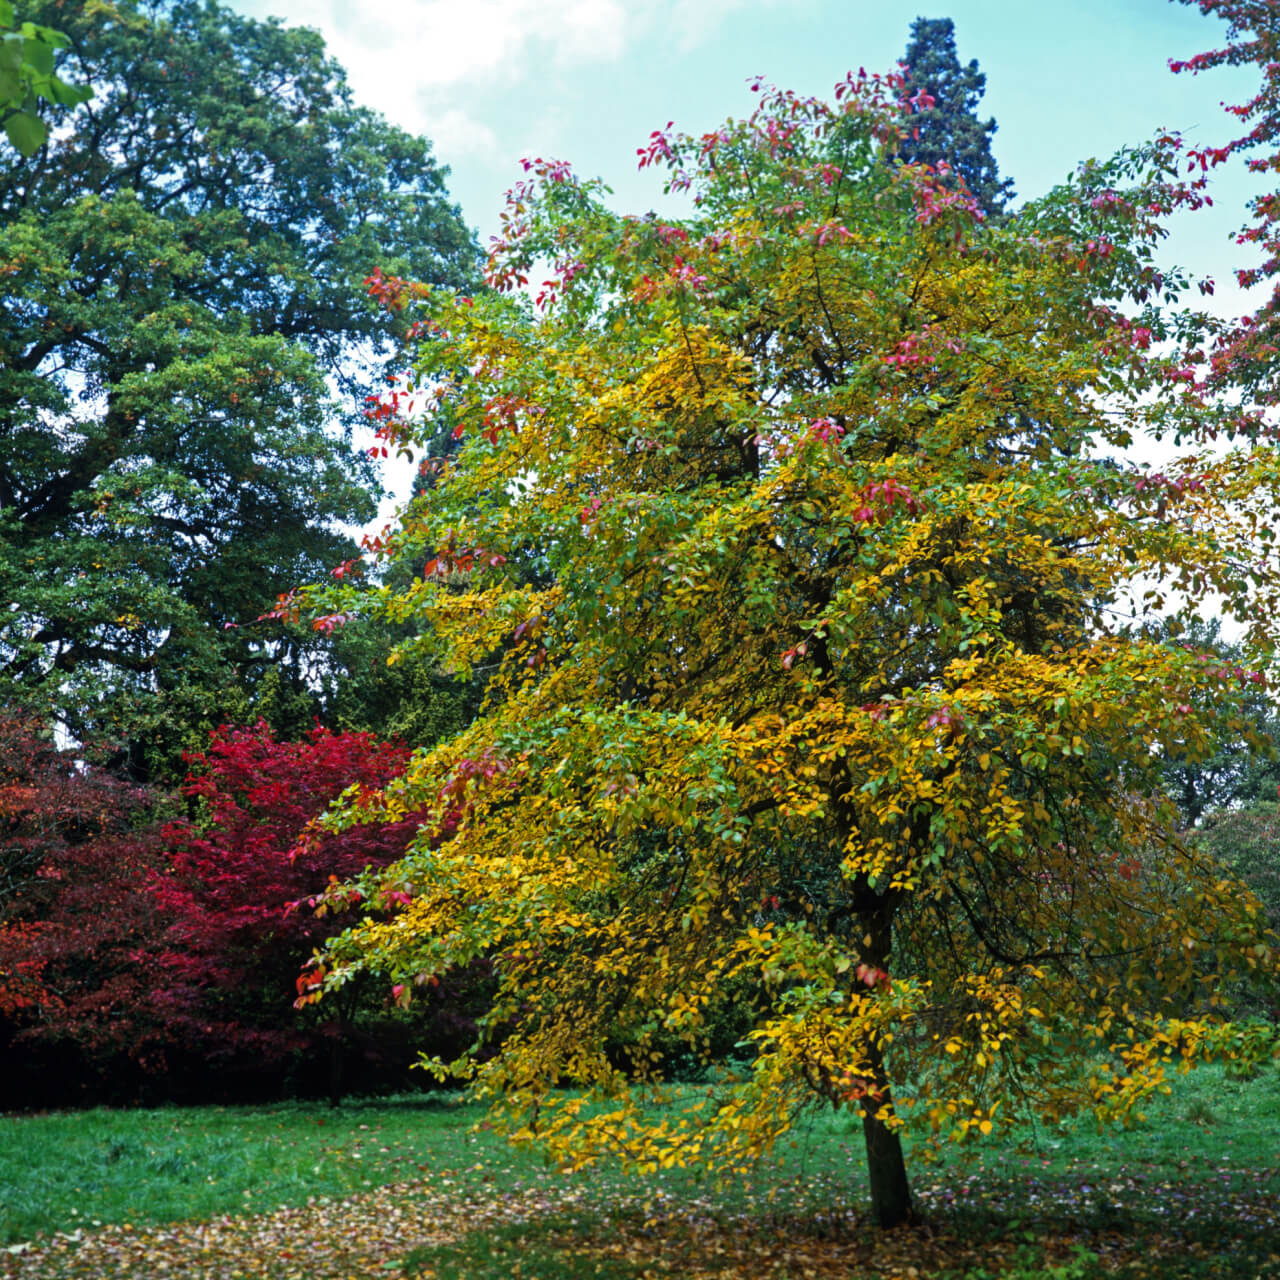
(949, 131)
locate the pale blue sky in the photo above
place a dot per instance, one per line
(586, 80)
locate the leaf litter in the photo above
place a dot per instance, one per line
(432, 1228)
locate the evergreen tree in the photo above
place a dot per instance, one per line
(949, 131)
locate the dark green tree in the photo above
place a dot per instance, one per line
(1243, 769)
(949, 131)
(185, 349)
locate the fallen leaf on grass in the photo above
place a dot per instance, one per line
(661, 1236)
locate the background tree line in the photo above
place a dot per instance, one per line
(186, 352)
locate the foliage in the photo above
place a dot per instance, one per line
(1245, 355)
(1248, 840)
(62, 904)
(407, 697)
(182, 267)
(789, 538)
(1243, 768)
(166, 959)
(238, 894)
(946, 130)
(27, 76)
(412, 1181)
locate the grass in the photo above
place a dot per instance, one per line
(1193, 1194)
(103, 1166)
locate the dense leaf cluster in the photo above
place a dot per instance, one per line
(144, 951)
(184, 353)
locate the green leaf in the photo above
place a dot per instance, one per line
(38, 55)
(67, 95)
(11, 48)
(26, 131)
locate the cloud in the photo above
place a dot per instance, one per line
(439, 67)
(454, 132)
(446, 43)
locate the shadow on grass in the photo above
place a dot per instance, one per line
(554, 1248)
(978, 1242)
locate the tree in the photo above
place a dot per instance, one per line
(1245, 354)
(818, 687)
(946, 130)
(27, 76)
(239, 890)
(167, 956)
(77, 848)
(1247, 839)
(1242, 769)
(182, 275)
(49, 801)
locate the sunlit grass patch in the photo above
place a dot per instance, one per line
(69, 1170)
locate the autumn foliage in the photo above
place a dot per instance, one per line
(1246, 354)
(239, 885)
(174, 950)
(74, 914)
(795, 540)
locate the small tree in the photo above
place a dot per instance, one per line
(153, 952)
(787, 540)
(240, 891)
(1247, 840)
(77, 849)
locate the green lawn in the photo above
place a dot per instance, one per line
(1196, 1192)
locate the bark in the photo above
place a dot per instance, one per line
(886, 1168)
(891, 1204)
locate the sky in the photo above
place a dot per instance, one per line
(490, 81)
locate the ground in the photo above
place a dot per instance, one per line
(411, 1187)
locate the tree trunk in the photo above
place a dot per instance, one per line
(886, 1169)
(337, 1063)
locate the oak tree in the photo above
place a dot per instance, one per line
(182, 264)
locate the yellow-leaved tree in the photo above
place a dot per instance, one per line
(797, 544)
